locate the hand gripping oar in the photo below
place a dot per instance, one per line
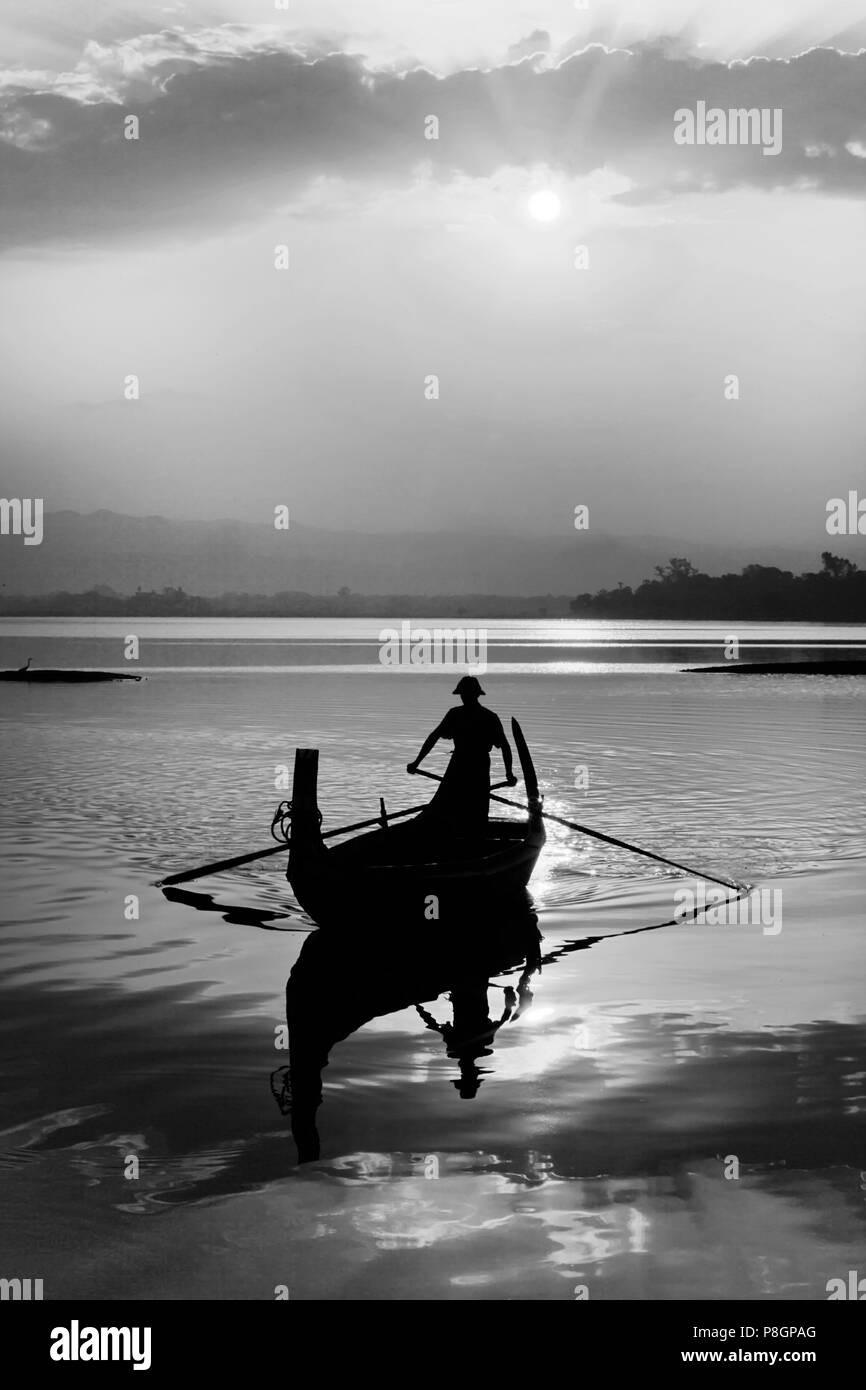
(608, 839)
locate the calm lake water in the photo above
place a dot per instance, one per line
(637, 1071)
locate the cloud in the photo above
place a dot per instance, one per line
(116, 72)
(235, 123)
(538, 42)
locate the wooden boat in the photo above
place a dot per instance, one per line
(413, 873)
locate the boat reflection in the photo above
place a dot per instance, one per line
(341, 982)
(343, 979)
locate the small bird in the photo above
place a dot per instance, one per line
(23, 669)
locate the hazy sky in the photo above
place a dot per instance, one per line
(410, 257)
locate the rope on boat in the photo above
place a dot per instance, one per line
(281, 825)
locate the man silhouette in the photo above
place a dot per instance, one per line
(462, 801)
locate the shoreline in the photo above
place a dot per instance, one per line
(781, 668)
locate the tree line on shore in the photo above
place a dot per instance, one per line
(169, 602)
(835, 593)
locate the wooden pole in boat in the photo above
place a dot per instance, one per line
(608, 839)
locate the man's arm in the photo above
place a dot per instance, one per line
(427, 747)
(429, 1019)
(503, 744)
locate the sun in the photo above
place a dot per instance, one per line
(544, 206)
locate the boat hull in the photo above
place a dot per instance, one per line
(403, 876)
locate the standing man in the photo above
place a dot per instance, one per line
(462, 801)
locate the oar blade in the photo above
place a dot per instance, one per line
(526, 764)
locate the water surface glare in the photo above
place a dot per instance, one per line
(595, 1149)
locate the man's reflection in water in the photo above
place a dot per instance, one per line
(340, 983)
(470, 1037)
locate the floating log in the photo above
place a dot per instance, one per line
(66, 676)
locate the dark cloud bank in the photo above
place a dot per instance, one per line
(234, 136)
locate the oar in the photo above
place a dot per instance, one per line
(219, 865)
(187, 875)
(608, 839)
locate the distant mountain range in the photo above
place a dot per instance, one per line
(123, 553)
